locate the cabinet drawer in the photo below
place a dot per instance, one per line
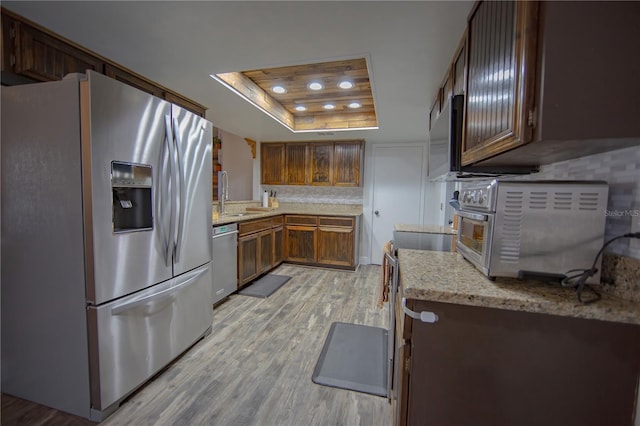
(277, 221)
(250, 227)
(163, 321)
(301, 220)
(346, 222)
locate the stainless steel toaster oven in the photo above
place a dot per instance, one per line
(513, 228)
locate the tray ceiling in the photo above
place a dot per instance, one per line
(302, 109)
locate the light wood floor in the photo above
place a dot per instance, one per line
(255, 368)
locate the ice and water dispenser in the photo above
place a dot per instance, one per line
(131, 185)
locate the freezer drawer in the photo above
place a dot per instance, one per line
(140, 334)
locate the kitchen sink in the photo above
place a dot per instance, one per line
(234, 214)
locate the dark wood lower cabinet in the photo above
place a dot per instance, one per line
(259, 248)
(488, 366)
(322, 240)
(265, 251)
(337, 241)
(278, 245)
(247, 259)
(335, 246)
(301, 243)
(265, 243)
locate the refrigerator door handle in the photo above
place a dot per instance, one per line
(181, 188)
(173, 186)
(165, 188)
(164, 294)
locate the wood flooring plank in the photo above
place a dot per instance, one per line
(255, 368)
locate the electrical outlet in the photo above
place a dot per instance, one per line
(634, 243)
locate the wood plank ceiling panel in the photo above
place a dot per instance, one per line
(295, 80)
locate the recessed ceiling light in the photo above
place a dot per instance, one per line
(278, 89)
(355, 105)
(315, 85)
(346, 84)
(329, 106)
(300, 108)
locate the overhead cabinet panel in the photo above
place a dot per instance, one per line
(499, 93)
(321, 164)
(272, 163)
(539, 91)
(297, 163)
(347, 163)
(44, 58)
(331, 163)
(31, 53)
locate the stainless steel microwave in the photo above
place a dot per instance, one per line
(532, 228)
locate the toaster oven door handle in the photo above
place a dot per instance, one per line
(424, 316)
(474, 216)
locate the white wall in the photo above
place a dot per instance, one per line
(236, 159)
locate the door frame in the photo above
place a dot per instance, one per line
(367, 208)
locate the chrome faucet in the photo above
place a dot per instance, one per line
(224, 185)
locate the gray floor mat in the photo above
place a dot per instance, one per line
(265, 286)
(354, 357)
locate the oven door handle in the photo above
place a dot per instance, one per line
(473, 216)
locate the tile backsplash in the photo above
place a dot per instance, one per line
(621, 169)
(316, 194)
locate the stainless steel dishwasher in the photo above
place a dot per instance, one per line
(224, 244)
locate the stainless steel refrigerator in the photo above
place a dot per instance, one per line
(106, 250)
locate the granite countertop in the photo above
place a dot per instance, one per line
(292, 208)
(447, 277)
(425, 229)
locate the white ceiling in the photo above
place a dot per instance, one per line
(179, 44)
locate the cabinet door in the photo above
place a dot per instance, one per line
(335, 246)
(297, 164)
(44, 58)
(278, 246)
(247, 259)
(458, 67)
(321, 162)
(501, 76)
(265, 251)
(347, 159)
(272, 163)
(300, 242)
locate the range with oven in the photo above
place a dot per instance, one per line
(517, 228)
(106, 249)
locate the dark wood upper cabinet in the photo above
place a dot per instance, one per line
(347, 163)
(502, 38)
(272, 156)
(550, 81)
(336, 163)
(458, 67)
(42, 57)
(31, 53)
(321, 164)
(297, 163)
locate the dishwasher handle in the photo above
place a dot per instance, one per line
(224, 235)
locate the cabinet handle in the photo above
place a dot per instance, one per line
(424, 316)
